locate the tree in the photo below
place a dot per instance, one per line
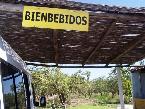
(100, 85)
(126, 82)
(112, 86)
(78, 83)
(87, 74)
(50, 81)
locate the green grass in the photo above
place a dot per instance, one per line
(94, 107)
(89, 107)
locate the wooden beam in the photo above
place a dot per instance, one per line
(98, 45)
(127, 48)
(75, 66)
(55, 44)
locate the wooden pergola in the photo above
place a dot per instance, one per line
(116, 35)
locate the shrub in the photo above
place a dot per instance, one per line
(107, 99)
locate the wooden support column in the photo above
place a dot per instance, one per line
(98, 45)
(55, 44)
(121, 97)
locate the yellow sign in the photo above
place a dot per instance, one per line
(54, 18)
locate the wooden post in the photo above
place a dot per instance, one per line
(120, 88)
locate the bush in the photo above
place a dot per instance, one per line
(127, 99)
(106, 99)
(102, 99)
(114, 100)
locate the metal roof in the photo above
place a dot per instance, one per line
(116, 35)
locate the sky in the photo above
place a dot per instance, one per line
(95, 72)
(100, 72)
(127, 3)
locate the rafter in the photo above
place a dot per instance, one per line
(98, 45)
(55, 44)
(127, 48)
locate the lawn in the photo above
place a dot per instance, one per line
(94, 107)
(89, 107)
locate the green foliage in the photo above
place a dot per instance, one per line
(100, 85)
(78, 84)
(10, 98)
(104, 86)
(107, 99)
(105, 90)
(103, 99)
(126, 82)
(112, 86)
(50, 81)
